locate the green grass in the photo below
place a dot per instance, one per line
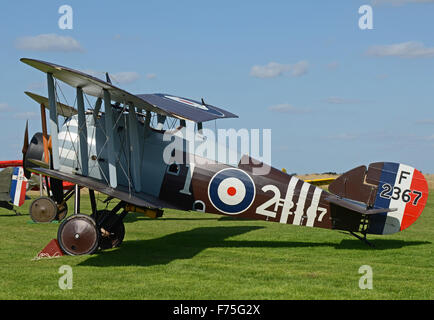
(187, 255)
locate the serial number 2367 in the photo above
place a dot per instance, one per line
(396, 193)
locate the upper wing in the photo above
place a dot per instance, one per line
(167, 105)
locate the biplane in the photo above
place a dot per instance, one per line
(14, 186)
(118, 146)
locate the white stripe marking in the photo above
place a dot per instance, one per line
(313, 209)
(288, 200)
(404, 176)
(300, 203)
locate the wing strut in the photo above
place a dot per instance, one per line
(53, 121)
(134, 147)
(82, 131)
(110, 141)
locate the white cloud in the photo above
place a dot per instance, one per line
(151, 76)
(4, 107)
(274, 69)
(287, 108)
(48, 42)
(422, 122)
(339, 100)
(399, 2)
(343, 136)
(26, 115)
(410, 49)
(333, 65)
(300, 68)
(125, 77)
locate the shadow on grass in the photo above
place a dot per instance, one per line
(187, 244)
(379, 244)
(180, 245)
(14, 215)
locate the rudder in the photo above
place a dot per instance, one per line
(385, 185)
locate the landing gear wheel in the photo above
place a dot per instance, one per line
(78, 235)
(112, 230)
(62, 211)
(43, 209)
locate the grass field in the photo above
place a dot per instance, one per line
(187, 255)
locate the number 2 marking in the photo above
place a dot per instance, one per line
(262, 209)
(386, 189)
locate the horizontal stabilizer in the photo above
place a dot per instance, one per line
(360, 208)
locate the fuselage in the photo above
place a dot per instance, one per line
(193, 182)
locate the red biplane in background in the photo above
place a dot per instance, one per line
(14, 185)
(128, 152)
(11, 163)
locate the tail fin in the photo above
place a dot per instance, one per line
(18, 187)
(385, 185)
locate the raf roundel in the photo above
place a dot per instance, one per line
(231, 191)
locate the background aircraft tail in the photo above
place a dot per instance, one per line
(18, 187)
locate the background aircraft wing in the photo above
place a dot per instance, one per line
(11, 163)
(320, 182)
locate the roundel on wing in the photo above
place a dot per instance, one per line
(231, 191)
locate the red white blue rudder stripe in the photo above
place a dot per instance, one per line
(403, 188)
(18, 187)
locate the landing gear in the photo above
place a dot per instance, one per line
(82, 234)
(363, 239)
(47, 209)
(111, 227)
(78, 235)
(43, 209)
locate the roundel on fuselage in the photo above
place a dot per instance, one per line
(231, 191)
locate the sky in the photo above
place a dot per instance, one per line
(334, 93)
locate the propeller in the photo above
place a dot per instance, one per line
(26, 139)
(27, 173)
